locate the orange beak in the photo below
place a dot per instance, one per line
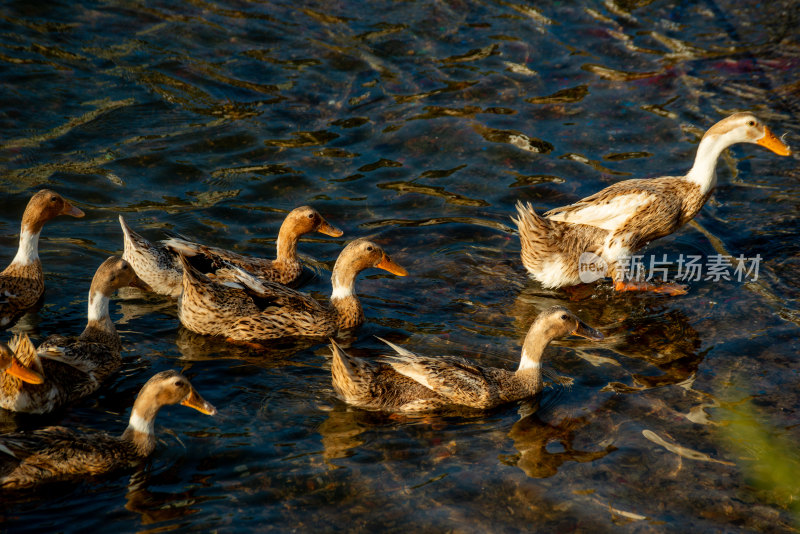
(71, 210)
(328, 229)
(23, 373)
(771, 142)
(194, 400)
(388, 265)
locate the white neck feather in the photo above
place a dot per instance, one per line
(340, 292)
(526, 363)
(139, 424)
(98, 306)
(28, 251)
(703, 172)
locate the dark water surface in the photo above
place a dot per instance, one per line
(419, 125)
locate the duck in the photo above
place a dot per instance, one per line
(601, 232)
(160, 268)
(250, 309)
(71, 368)
(22, 282)
(407, 382)
(57, 453)
(10, 364)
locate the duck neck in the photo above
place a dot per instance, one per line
(99, 326)
(530, 364)
(141, 431)
(28, 251)
(287, 243)
(703, 172)
(345, 301)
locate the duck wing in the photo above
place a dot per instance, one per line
(20, 445)
(267, 294)
(208, 259)
(457, 379)
(613, 207)
(98, 360)
(56, 453)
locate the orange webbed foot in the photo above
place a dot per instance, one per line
(670, 289)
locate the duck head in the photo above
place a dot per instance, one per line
(306, 219)
(46, 205)
(747, 128)
(558, 322)
(171, 387)
(113, 274)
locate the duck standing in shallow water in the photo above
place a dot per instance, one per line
(71, 367)
(258, 310)
(22, 282)
(410, 383)
(160, 268)
(57, 453)
(624, 217)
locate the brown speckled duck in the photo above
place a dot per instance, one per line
(406, 382)
(22, 282)
(259, 310)
(57, 453)
(71, 367)
(159, 267)
(622, 218)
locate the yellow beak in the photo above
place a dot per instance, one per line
(328, 229)
(23, 373)
(194, 400)
(388, 265)
(771, 142)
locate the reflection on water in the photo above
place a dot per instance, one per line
(535, 442)
(155, 506)
(340, 433)
(419, 124)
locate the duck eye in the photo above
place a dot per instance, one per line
(54, 199)
(751, 123)
(310, 215)
(369, 248)
(564, 317)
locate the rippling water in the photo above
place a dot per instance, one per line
(419, 125)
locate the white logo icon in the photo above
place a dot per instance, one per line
(591, 267)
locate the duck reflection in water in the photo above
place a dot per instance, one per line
(665, 340)
(532, 436)
(199, 347)
(159, 506)
(340, 432)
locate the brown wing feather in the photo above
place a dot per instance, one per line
(219, 256)
(603, 196)
(670, 203)
(457, 379)
(57, 453)
(376, 386)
